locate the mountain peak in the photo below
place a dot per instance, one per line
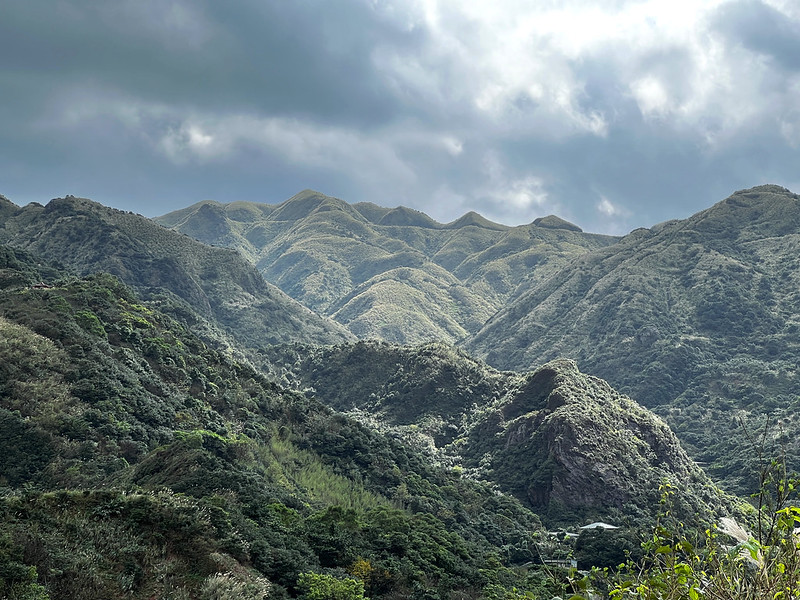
(474, 219)
(409, 217)
(767, 188)
(7, 207)
(554, 222)
(303, 204)
(70, 204)
(759, 212)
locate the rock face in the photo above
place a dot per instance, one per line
(568, 443)
(566, 440)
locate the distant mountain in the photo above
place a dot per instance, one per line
(564, 443)
(216, 282)
(139, 462)
(391, 274)
(697, 319)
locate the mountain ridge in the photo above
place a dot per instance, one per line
(344, 264)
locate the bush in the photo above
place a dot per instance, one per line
(318, 586)
(224, 586)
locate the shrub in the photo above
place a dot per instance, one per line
(225, 586)
(318, 586)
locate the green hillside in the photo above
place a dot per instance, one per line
(565, 444)
(139, 462)
(216, 283)
(143, 455)
(390, 274)
(696, 319)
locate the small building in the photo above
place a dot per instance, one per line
(566, 563)
(599, 525)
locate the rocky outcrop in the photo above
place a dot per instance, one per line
(563, 442)
(567, 440)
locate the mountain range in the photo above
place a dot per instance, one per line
(214, 431)
(696, 319)
(392, 274)
(217, 284)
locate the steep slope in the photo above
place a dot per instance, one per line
(564, 443)
(138, 462)
(217, 283)
(392, 274)
(696, 319)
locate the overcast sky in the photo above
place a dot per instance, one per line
(612, 114)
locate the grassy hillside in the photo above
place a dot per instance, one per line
(140, 462)
(216, 283)
(696, 319)
(391, 274)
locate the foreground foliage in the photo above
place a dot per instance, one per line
(722, 562)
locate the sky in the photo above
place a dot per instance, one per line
(612, 114)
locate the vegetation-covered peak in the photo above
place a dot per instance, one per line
(408, 217)
(473, 219)
(307, 202)
(554, 222)
(759, 212)
(7, 207)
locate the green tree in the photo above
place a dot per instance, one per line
(318, 586)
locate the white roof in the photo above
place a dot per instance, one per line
(599, 525)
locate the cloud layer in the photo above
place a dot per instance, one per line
(612, 114)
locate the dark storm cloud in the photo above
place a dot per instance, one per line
(613, 115)
(100, 82)
(763, 29)
(289, 57)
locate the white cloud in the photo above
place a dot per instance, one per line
(651, 97)
(524, 194)
(505, 192)
(210, 138)
(516, 63)
(606, 207)
(189, 143)
(492, 60)
(453, 145)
